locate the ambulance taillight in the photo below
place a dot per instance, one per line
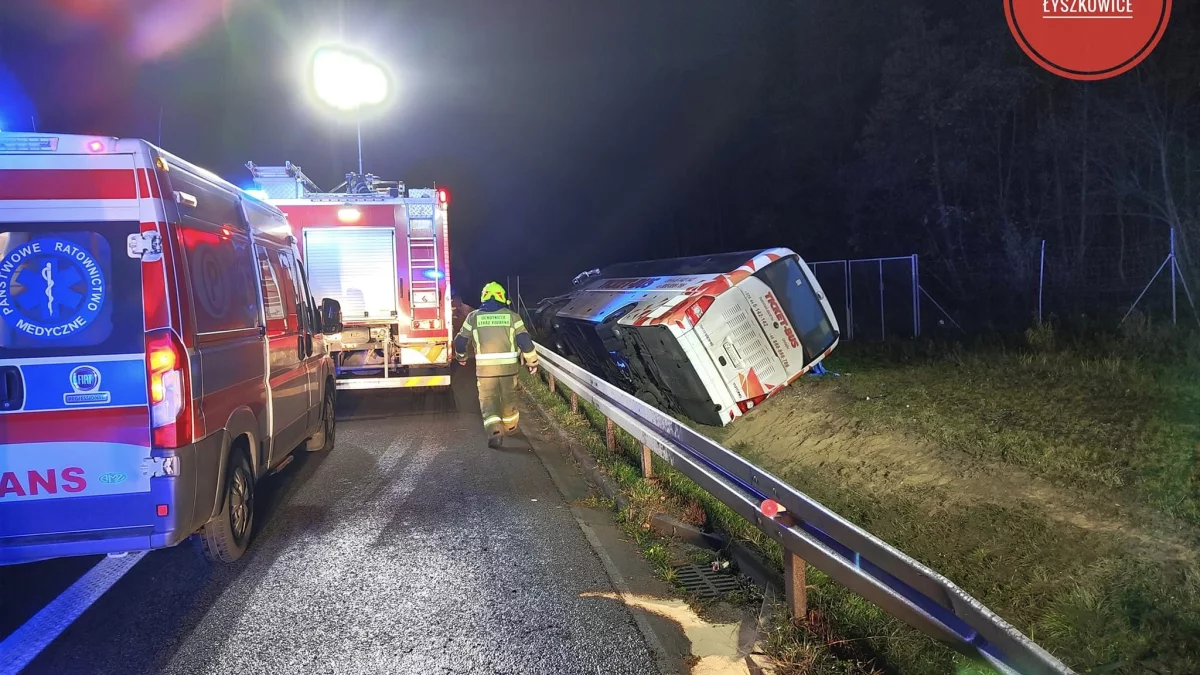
(170, 402)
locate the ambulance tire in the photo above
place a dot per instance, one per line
(221, 539)
(328, 421)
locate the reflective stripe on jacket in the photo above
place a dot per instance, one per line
(499, 339)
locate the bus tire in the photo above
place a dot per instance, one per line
(225, 538)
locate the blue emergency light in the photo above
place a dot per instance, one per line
(434, 274)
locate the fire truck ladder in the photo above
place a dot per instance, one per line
(282, 182)
(423, 270)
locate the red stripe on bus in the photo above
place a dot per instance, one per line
(68, 184)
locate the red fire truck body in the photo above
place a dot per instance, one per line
(382, 251)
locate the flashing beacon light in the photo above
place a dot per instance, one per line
(433, 274)
(95, 146)
(349, 214)
(260, 195)
(443, 197)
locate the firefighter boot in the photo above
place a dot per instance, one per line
(491, 406)
(508, 404)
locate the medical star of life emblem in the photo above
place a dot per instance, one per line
(50, 288)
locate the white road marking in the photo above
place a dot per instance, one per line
(25, 643)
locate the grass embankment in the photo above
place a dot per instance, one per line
(1058, 485)
(844, 634)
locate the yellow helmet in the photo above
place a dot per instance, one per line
(494, 291)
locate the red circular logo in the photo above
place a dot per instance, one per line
(1087, 39)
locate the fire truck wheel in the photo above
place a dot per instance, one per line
(224, 538)
(328, 433)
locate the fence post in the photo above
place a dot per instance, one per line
(849, 300)
(550, 381)
(882, 307)
(1174, 268)
(647, 465)
(795, 585)
(1041, 281)
(610, 435)
(574, 402)
(916, 299)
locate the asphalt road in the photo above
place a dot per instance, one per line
(410, 548)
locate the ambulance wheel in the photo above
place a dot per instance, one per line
(225, 538)
(328, 433)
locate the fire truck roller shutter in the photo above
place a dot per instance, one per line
(355, 266)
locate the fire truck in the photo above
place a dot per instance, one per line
(381, 250)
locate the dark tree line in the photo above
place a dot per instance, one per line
(890, 127)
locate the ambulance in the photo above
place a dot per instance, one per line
(160, 351)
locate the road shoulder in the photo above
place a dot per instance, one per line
(678, 650)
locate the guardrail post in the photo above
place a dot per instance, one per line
(610, 435)
(574, 403)
(550, 381)
(795, 585)
(647, 465)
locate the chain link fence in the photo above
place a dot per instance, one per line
(874, 299)
(1097, 288)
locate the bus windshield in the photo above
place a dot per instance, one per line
(801, 305)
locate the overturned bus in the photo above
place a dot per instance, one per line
(707, 336)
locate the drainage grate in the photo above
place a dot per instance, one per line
(702, 581)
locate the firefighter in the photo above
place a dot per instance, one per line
(500, 341)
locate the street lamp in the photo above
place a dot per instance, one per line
(348, 81)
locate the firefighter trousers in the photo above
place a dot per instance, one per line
(498, 403)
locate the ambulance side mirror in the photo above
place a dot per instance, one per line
(331, 316)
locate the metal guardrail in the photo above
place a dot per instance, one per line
(898, 584)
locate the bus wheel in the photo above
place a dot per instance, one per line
(225, 538)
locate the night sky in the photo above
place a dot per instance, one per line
(564, 130)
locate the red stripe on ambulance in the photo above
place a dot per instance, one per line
(120, 425)
(33, 184)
